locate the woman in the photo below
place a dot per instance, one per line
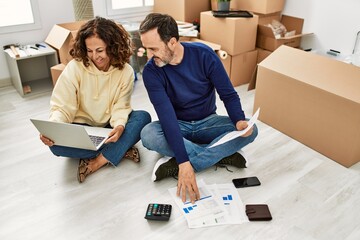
(95, 89)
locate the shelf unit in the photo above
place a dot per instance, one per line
(30, 73)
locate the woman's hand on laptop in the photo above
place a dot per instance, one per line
(46, 141)
(115, 134)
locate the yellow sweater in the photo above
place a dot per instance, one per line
(88, 95)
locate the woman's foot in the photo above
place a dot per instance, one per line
(83, 170)
(133, 154)
(88, 166)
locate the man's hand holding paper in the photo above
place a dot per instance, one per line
(243, 130)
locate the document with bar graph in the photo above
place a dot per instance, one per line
(218, 205)
(232, 202)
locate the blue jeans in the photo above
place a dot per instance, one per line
(198, 135)
(113, 151)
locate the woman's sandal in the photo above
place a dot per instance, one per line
(83, 170)
(133, 154)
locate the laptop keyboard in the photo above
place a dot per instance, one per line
(96, 139)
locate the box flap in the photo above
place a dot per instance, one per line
(252, 82)
(57, 36)
(296, 36)
(60, 32)
(330, 75)
(292, 23)
(265, 31)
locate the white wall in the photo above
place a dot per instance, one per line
(333, 22)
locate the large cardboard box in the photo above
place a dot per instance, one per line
(313, 99)
(242, 67)
(182, 10)
(259, 6)
(266, 38)
(235, 35)
(61, 38)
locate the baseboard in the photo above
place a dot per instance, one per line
(5, 82)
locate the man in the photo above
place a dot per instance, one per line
(181, 79)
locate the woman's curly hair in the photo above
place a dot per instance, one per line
(118, 41)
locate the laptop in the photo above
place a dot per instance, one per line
(72, 135)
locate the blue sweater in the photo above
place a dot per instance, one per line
(187, 92)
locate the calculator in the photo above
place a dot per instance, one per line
(157, 211)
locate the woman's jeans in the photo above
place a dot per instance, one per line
(113, 151)
(198, 136)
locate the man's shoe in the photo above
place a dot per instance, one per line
(236, 160)
(165, 167)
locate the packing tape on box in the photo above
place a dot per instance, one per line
(222, 54)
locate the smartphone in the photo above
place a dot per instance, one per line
(246, 182)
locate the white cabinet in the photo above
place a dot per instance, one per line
(30, 73)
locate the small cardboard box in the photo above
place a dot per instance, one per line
(313, 99)
(260, 6)
(235, 35)
(182, 10)
(56, 71)
(242, 67)
(61, 37)
(267, 40)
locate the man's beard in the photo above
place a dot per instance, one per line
(169, 55)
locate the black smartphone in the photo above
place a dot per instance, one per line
(246, 182)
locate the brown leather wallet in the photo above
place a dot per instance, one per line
(258, 212)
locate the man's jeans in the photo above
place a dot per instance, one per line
(113, 151)
(198, 136)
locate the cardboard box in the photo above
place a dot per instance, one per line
(61, 38)
(56, 71)
(313, 99)
(267, 40)
(242, 67)
(259, 6)
(235, 35)
(182, 10)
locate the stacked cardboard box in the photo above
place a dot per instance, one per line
(259, 6)
(182, 10)
(237, 36)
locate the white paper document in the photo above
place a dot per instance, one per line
(218, 205)
(235, 134)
